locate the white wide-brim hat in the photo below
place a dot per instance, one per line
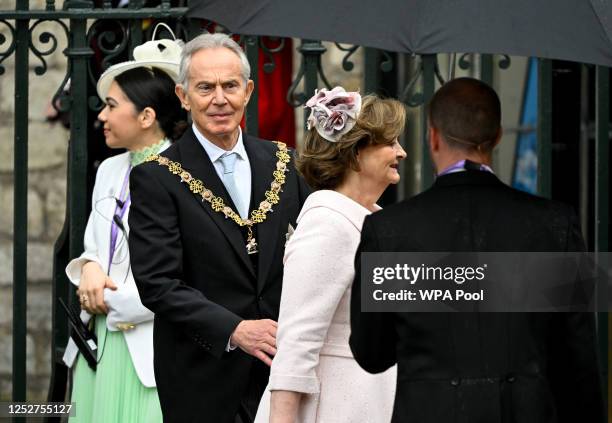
(164, 55)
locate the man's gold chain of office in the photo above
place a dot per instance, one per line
(258, 215)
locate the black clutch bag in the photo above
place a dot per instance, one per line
(85, 339)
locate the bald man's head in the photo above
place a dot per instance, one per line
(467, 113)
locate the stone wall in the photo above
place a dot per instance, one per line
(46, 207)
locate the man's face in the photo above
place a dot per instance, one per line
(216, 94)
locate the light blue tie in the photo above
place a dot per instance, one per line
(228, 161)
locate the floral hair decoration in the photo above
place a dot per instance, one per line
(333, 112)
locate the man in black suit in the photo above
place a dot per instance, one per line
(208, 223)
(477, 367)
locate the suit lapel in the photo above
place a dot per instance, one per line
(195, 160)
(263, 164)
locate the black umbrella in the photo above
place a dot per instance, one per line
(577, 30)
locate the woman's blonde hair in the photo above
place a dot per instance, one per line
(324, 164)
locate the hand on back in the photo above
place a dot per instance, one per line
(257, 338)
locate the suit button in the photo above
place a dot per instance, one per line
(455, 382)
(260, 298)
(510, 378)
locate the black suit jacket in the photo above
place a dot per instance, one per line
(192, 270)
(471, 367)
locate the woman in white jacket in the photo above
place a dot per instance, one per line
(350, 156)
(141, 114)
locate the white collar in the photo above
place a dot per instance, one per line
(214, 151)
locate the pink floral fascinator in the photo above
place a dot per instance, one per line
(333, 112)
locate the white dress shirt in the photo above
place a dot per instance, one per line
(242, 175)
(242, 169)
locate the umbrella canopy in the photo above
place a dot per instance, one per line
(577, 30)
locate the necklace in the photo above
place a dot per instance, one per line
(258, 215)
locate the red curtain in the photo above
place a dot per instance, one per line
(276, 116)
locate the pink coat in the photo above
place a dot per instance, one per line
(313, 353)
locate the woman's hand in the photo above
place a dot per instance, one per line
(91, 288)
(284, 406)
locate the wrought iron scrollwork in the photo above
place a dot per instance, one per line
(61, 97)
(504, 62)
(4, 54)
(416, 99)
(249, 41)
(111, 42)
(347, 64)
(408, 96)
(45, 37)
(11, 47)
(386, 65)
(311, 53)
(465, 61)
(269, 64)
(293, 98)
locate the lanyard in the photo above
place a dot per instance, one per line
(464, 165)
(122, 204)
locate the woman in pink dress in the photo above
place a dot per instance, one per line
(350, 156)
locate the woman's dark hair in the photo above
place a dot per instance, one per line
(155, 89)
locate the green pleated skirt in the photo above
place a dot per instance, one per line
(113, 393)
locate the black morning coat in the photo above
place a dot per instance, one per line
(192, 270)
(479, 367)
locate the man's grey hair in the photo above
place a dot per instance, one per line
(206, 41)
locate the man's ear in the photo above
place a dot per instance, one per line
(434, 138)
(250, 86)
(148, 117)
(182, 95)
